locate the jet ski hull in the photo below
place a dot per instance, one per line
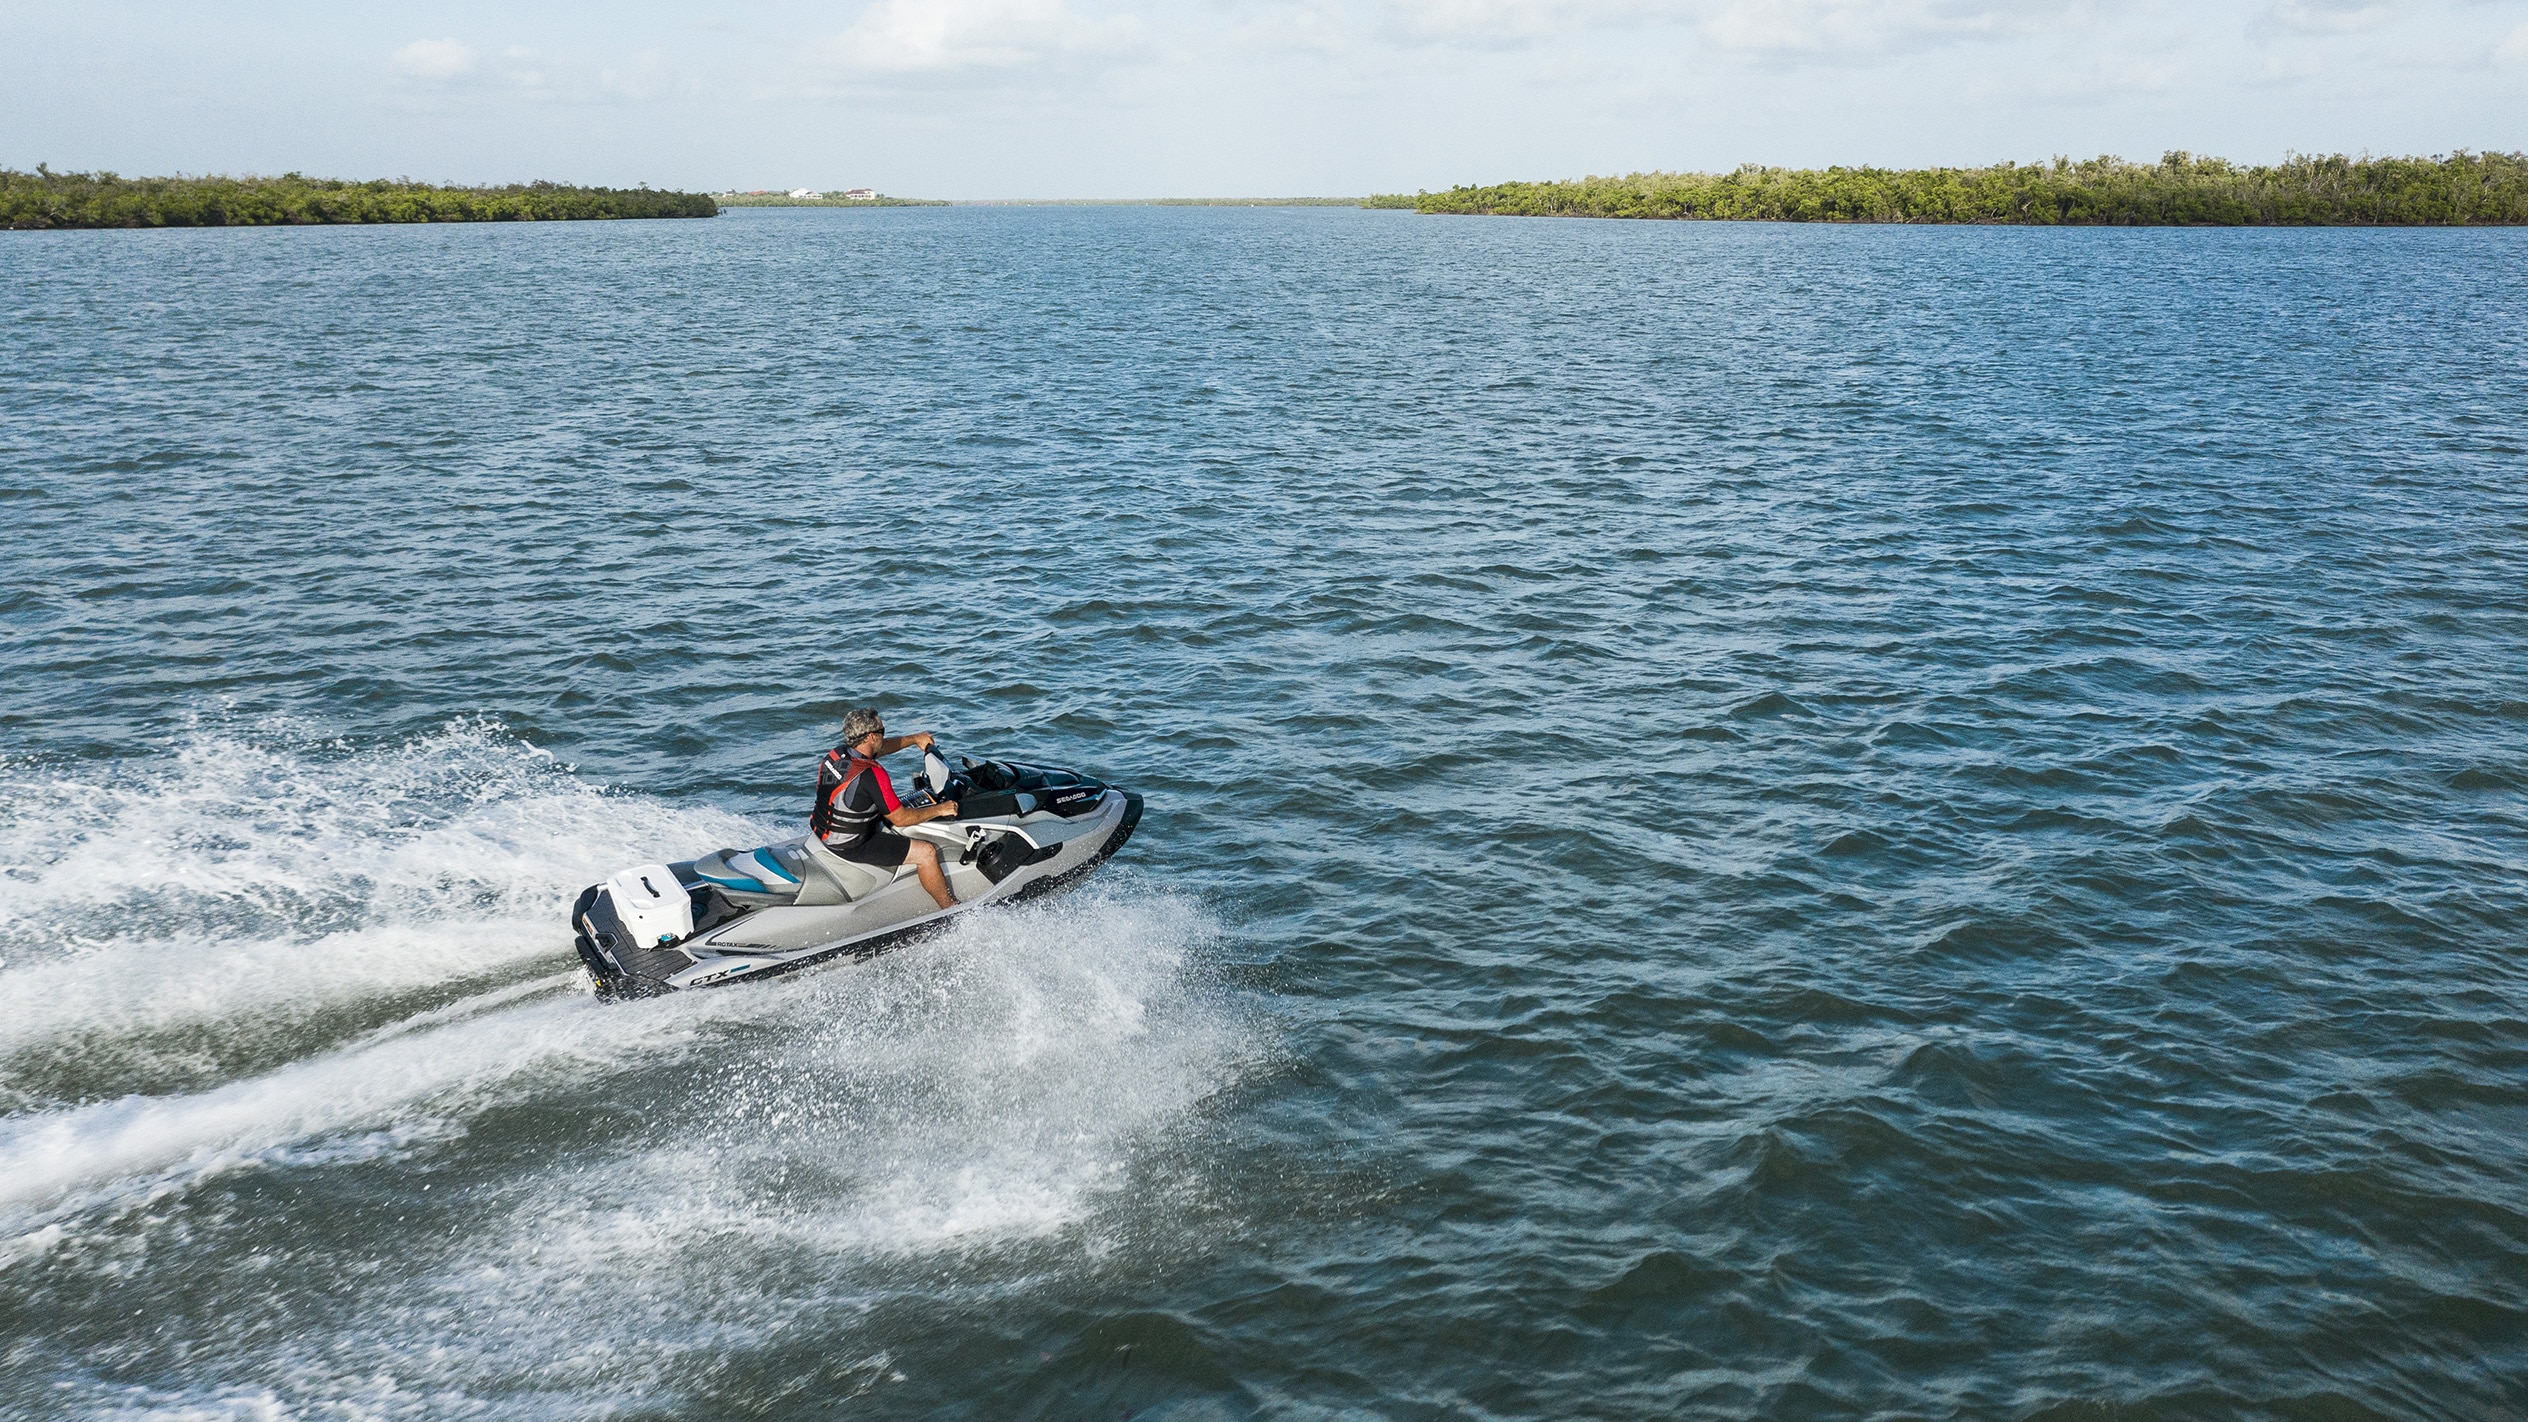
(737, 917)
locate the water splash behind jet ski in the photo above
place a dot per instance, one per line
(1021, 831)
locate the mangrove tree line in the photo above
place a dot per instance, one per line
(45, 198)
(2179, 190)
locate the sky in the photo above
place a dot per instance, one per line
(1234, 98)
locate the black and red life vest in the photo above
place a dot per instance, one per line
(830, 819)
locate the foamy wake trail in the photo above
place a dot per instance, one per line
(1018, 1084)
(240, 878)
(413, 1084)
(992, 1084)
(1015, 1081)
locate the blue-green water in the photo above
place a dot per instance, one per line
(1744, 820)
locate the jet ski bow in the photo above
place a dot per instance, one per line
(1021, 831)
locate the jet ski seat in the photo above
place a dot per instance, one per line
(795, 871)
(853, 881)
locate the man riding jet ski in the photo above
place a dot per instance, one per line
(857, 814)
(875, 870)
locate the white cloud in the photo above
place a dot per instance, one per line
(1859, 28)
(523, 71)
(439, 59)
(1315, 27)
(646, 76)
(456, 71)
(2514, 49)
(1771, 30)
(2326, 17)
(1503, 24)
(909, 37)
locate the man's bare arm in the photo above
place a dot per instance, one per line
(913, 815)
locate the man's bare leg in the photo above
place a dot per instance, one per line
(925, 857)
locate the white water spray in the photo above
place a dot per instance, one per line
(151, 917)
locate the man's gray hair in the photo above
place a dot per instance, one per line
(858, 723)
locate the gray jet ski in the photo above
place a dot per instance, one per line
(735, 915)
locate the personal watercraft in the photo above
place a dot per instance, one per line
(1021, 831)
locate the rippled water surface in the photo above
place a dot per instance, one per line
(1745, 820)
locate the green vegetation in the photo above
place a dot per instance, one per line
(785, 200)
(2180, 190)
(1405, 201)
(45, 198)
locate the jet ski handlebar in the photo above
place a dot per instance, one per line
(936, 782)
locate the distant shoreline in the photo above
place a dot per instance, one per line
(1389, 200)
(1172, 202)
(727, 200)
(45, 200)
(2181, 190)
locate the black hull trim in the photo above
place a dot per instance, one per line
(614, 985)
(1071, 877)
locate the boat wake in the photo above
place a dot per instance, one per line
(254, 903)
